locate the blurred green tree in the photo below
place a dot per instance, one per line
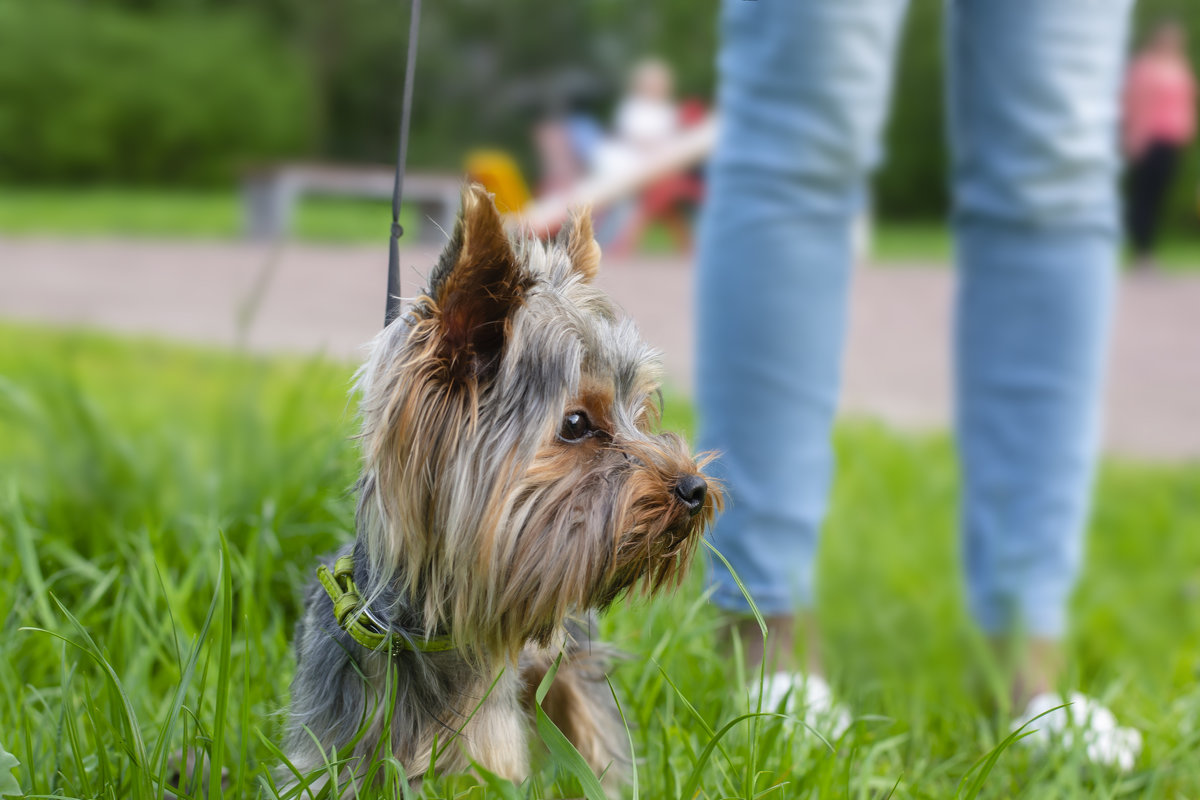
(96, 93)
(486, 70)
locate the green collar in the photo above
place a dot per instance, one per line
(357, 620)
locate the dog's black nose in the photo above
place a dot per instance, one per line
(691, 491)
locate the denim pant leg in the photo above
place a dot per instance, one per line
(1033, 110)
(803, 94)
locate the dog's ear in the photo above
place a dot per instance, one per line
(577, 239)
(475, 287)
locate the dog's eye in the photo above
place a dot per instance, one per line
(575, 426)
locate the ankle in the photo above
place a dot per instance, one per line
(1034, 666)
(779, 652)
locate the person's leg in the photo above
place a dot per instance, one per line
(1154, 170)
(803, 95)
(1138, 210)
(1034, 108)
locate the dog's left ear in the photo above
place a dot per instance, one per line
(577, 239)
(476, 286)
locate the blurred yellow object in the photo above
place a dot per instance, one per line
(500, 175)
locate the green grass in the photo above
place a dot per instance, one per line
(926, 242)
(186, 214)
(131, 632)
(931, 243)
(216, 214)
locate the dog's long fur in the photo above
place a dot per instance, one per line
(482, 516)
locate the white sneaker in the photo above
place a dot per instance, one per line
(806, 697)
(1106, 742)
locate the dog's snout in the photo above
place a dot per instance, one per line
(691, 491)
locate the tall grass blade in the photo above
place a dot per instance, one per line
(129, 718)
(633, 772)
(693, 784)
(31, 571)
(224, 673)
(983, 767)
(159, 757)
(564, 753)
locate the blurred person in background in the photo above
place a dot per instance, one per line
(648, 115)
(561, 164)
(1160, 121)
(1033, 100)
(567, 138)
(645, 118)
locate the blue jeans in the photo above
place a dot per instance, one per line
(1033, 107)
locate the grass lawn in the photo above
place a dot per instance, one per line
(130, 634)
(187, 214)
(215, 214)
(930, 242)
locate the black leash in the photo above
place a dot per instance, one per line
(393, 282)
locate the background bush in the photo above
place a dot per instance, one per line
(99, 93)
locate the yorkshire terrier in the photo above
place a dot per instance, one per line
(513, 484)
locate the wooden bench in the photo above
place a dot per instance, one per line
(270, 194)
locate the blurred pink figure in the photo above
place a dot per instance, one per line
(1160, 120)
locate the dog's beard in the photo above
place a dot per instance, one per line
(579, 535)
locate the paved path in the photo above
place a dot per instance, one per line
(330, 299)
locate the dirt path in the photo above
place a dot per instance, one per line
(330, 299)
